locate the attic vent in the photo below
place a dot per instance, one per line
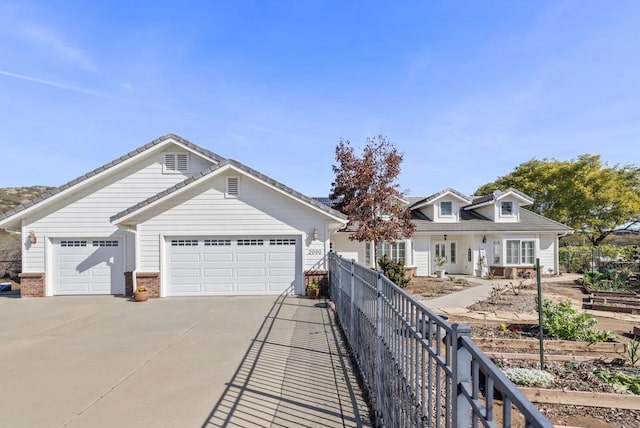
(176, 162)
(233, 186)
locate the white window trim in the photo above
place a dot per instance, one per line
(440, 209)
(519, 261)
(166, 170)
(513, 212)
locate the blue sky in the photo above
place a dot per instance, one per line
(467, 90)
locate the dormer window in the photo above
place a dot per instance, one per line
(506, 208)
(446, 208)
(176, 163)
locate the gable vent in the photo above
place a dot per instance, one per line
(233, 186)
(176, 162)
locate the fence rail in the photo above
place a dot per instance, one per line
(418, 369)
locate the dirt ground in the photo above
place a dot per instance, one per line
(424, 287)
(569, 376)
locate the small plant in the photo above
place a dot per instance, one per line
(571, 365)
(313, 286)
(141, 289)
(621, 382)
(633, 349)
(503, 328)
(529, 377)
(516, 331)
(394, 271)
(439, 261)
(563, 322)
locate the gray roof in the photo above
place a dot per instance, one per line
(436, 195)
(495, 195)
(109, 165)
(242, 167)
(471, 221)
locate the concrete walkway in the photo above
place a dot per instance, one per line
(458, 302)
(103, 361)
(294, 374)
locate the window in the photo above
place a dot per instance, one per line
(217, 242)
(441, 250)
(282, 242)
(520, 252)
(249, 242)
(396, 251)
(233, 187)
(506, 208)
(452, 254)
(105, 243)
(446, 208)
(527, 252)
(73, 243)
(184, 242)
(176, 162)
(497, 251)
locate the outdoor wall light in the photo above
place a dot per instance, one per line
(445, 236)
(314, 235)
(32, 237)
(484, 239)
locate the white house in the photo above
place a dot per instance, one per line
(475, 235)
(174, 217)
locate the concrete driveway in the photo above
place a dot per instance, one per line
(177, 362)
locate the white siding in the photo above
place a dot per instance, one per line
(422, 254)
(257, 210)
(547, 253)
(86, 212)
(489, 211)
(350, 250)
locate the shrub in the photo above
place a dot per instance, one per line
(394, 271)
(529, 377)
(563, 322)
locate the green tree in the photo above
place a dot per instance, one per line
(585, 193)
(367, 191)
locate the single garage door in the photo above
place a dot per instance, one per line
(231, 266)
(89, 266)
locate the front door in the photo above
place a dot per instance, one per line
(447, 250)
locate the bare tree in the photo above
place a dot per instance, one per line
(366, 190)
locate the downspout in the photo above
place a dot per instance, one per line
(136, 256)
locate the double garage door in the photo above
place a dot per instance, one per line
(230, 265)
(89, 266)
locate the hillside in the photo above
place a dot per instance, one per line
(13, 196)
(10, 251)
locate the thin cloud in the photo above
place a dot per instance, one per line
(55, 84)
(50, 40)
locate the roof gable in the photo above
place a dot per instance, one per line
(448, 192)
(214, 171)
(92, 176)
(499, 195)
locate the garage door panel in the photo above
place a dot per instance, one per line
(218, 273)
(228, 266)
(251, 257)
(185, 257)
(217, 258)
(282, 257)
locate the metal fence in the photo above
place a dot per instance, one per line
(418, 369)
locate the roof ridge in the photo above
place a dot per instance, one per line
(108, 165)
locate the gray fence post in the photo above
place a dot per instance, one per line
(352, 316)
(461, 375)
(379, 348)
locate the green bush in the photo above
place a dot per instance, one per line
(394, 271)
(616, 281)
(621, 382)
(563, 322)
